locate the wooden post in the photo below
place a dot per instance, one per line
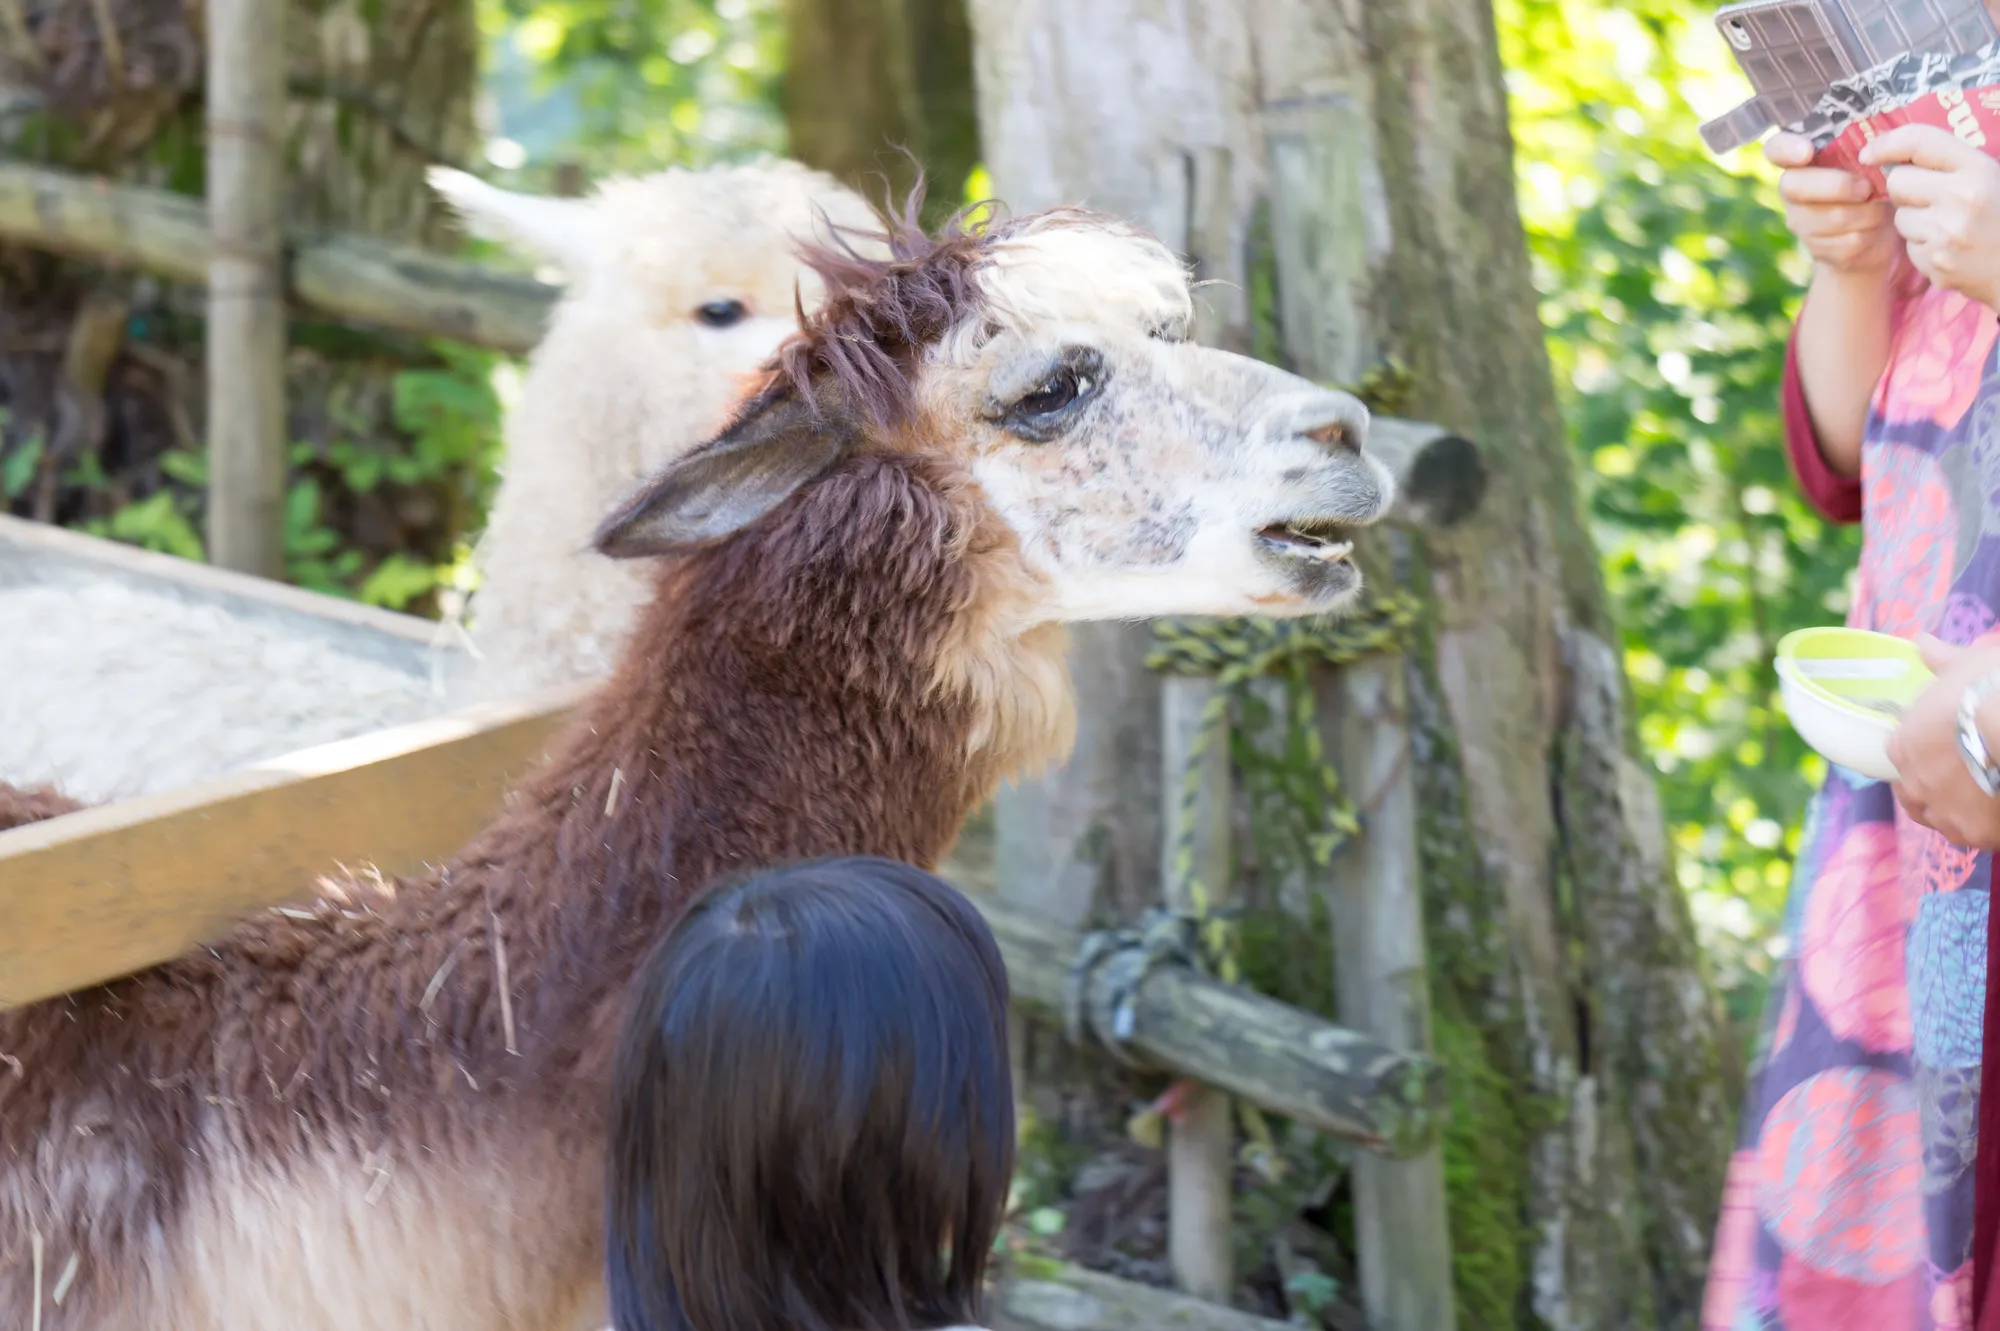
(246, 293)
(1201, 1142)
(1376, 895)
(1324, 214)
(1201, 1155)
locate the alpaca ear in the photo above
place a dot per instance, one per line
(561, 230)
(778, 446)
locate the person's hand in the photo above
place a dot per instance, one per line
(1947, 199)
(1935, 788)
(1833, 213)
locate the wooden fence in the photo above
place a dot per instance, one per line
(100, 893)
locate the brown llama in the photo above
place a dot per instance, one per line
(19, 806)
(388, 1111)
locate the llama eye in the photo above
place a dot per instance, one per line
(1056, 392)
(721, 313)
(1051, 407)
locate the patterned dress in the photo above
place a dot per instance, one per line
(1849, 1198)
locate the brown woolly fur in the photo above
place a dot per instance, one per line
(880, 313)
(18, 807)
(787, 695)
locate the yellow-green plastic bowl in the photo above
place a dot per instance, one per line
(1844, 689)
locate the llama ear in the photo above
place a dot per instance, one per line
(561, 230)
(778, 446)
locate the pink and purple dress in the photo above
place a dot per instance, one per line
(1849, 1202)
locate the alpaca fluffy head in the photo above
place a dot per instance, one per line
(679, 284)
(1046, 358)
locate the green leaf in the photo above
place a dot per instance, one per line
(19, 467)
(155, 523)
(397, 581)
(189, 468)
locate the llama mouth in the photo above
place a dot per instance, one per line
(1314, 539)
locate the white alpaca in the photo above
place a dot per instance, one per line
(680, 283)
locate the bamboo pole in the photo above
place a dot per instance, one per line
(246, 293)
(1201, 1155)
(1201, 1143)
(1279, 1058)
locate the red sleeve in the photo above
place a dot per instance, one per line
(1835, 497)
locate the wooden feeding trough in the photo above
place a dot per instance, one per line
(96, 894)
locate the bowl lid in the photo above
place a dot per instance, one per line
(1866, 675)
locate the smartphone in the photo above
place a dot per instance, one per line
(1792, 50)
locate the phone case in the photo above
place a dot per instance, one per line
(1790, 50)
(1793, 50)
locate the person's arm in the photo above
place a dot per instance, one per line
(1840, 346)
(1833, 495)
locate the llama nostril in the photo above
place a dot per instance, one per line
(1336, 434)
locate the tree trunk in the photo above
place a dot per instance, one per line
(866, 77)
(1345, 167)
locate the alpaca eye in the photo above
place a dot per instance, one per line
(721, 313)
(1051, 406)
(1056, 392)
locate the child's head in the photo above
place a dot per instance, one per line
(812, 1119)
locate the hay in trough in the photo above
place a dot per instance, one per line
(109, 691)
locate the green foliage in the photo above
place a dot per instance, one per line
(1312, 1292)
(156, 522)
(19, 468)
(450, 418)
(449, 415)
(640, 83)
(1669, 282)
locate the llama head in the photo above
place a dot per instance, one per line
(707, 254)
(1046, 358)
(678, 284)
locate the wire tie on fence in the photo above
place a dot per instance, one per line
(1162, 938)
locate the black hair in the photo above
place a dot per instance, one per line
(812, 1125)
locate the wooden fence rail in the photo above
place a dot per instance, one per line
(345, 276)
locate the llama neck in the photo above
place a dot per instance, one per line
(715, 763)
(775, 703)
